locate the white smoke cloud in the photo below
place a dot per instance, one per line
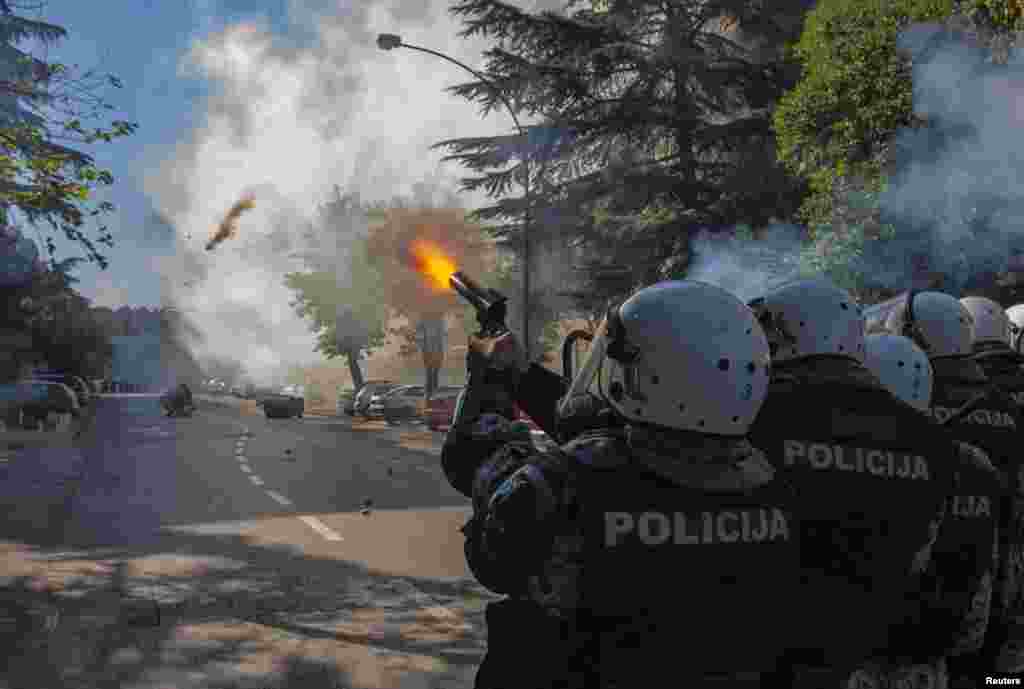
(955, 197)
(958, 197)
(288, 120)
(747, 268)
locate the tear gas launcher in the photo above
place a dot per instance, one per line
(490, 304)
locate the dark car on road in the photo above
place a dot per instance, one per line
(289, 402)
(369, 389)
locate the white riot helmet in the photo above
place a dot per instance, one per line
(902, 367)
(680, 354)
(936, 322)
(991, 323)
(810, 318)
(1016, 316)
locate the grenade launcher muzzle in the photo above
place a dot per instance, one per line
(490, 305)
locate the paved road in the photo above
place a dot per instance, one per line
(243, 533)
(301, 481)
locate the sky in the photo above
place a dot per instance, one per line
(280, 99)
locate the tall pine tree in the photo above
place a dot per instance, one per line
(649, 120)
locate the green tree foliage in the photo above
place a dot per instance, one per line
(65, 330)
(344, 301)
(1005, 15)
(49, 110)
(835, 126)
(650, 121)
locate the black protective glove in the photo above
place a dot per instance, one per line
(498, 360)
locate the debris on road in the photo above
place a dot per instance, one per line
(367, 505)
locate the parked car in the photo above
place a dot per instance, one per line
(38, 399)
(403, 403)
(441, 410)
(441, 407)
(346, 402)
(288, 403)
(79, 386)
(376, 408)
(369, 389)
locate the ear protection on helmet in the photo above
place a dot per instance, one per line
(619, 348)
(769, 323)
(909, 329)
(625, 354)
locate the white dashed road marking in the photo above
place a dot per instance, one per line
(279, 498)
(321, 528)
(312, 522)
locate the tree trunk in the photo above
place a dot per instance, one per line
(352, 356)
(433, 375)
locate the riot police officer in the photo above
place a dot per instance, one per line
(976, 411)
(995, 337)
(658, 542)
(872, 480)
(1016, 315)
(963, 561)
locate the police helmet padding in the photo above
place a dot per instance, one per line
(937, 323)
(902, 367)
(812, 318)
(991, 323)
(1015, 314)
(680, 354)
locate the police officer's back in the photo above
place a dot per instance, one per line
(977, 413)
(871, 479)
(963, 560)
(998, 421)
(658, 544)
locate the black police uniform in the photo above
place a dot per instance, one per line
(965, 559)
(996, 426)
(872, 477)
(629, 558)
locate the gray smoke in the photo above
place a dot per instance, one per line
(958, 195)
(955, 197)
(748, 268)
(290, 118)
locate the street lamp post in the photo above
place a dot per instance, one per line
(387, 41)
